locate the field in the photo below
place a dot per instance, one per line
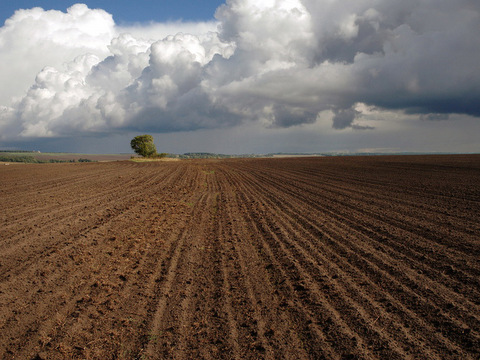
(30, 157)
(301, 258)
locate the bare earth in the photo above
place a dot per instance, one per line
(314, 258)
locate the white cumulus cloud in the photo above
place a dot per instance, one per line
(281, 63)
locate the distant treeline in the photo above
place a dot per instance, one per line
(204, 155)
(18, 151)
(28, 159)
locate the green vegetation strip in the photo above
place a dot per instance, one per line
(28, 159)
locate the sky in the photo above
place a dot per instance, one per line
(125, 12)
(241, 76)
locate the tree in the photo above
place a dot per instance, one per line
(143, 145)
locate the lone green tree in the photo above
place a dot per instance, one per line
(143, 145)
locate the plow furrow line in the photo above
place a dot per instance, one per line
(277, 205)
(314, 258)
(157, 328)
(305, 338)
(377, 202)
(340, 301)
(396, 244)
(333, 320)
(344, 206)
(79, 253)
(63, 221)
(399, 253)
(56, 209)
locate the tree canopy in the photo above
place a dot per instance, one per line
(143, 145)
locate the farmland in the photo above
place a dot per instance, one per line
(291, 258)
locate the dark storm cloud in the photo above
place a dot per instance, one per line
(343, 118)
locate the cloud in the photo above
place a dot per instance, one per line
(343, 118)
(156, 31)
(33, 39)
(280, 63)
(435, 117)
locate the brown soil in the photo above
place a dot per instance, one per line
(314, 258)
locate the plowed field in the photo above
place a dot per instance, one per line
(302, 258)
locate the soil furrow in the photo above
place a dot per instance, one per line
(300, 258)
(275, 206)
(418, 257)
(288, 247)
(166, 326)
(64, 231)
(274, 336)
(290, 270)
(81, 250)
